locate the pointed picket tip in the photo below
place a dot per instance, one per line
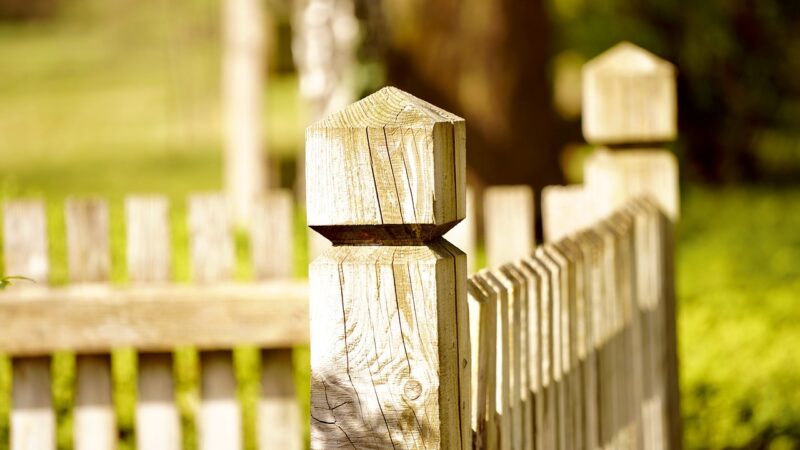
(388, 107)
(628, 58)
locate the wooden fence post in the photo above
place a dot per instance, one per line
(390, 353)
(630, 107)
(33, 420)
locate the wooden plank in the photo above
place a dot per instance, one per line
(219, 417)
(483, 333)
(89, 259)
(149, 255)
(509, 226)
(95, 319)
(464, 234)
(629, 95)
(272, 236)
(536, 289)
(278, 409)
(33, 421)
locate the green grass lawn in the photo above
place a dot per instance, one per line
(113, 99)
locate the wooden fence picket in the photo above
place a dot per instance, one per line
(219, 421)
(89, 259)
(149, 253)
(271, 239)
(33, 421)
(483, 332)
(508, 223)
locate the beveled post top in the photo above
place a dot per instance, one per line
(389, 169)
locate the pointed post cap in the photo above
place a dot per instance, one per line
(629, 96)
(388, 169)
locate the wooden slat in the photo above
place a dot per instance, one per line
(212, 258)
(278, 409)
(483, 332)
(149, 255)
(508, 220)
(503, 360)
(272, 236)
(89, 259)
(547, 406)
(534, 293)
(95, 319)
(33, 421)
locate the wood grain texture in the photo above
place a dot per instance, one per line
(390, 348)
(391, 160)
(629, 95)
(89, 258)
(565, 210)
(95, 319)
(508, 223)
(32, 418)
(149, 254)
(272, 236)
(615, 178)
(278, 408)
(219, 418)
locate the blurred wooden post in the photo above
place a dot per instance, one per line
(630, 107)
(33, 420)
(509, 225)
(149, 254)
(271, 243)
(89, 258)
(219, 418)
(390, 352)
(325, 34)
(243, 72)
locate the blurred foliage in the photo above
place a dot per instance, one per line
(738, 61)
(738, 276)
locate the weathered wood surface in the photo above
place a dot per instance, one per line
(508, 223)
(278, 408)
(629, 96)
(390, 344)
(89, 259)
(149, 254)
(382, 161)
(483, 339)
(95, 319)
(390, 347)
(33, 421)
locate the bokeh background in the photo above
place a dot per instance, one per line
(112, 97)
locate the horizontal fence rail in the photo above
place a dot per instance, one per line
(152, 315)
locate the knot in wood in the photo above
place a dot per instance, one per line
(412, 389)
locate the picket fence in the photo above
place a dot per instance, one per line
(569, 345)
